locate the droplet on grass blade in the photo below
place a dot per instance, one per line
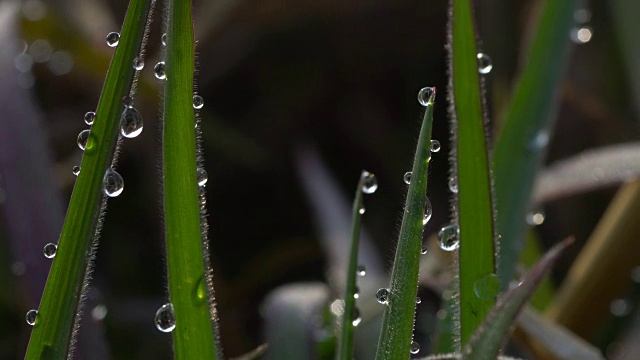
(76, 170)
(165, 320)
(487, 287)
(428, 211)
(361, 270)
(113, 38)
(370, 184)
(131, 123)
(356, 317)
(89, 117)
(138, 63)
(202, 177)
(449, 237)
(32, 317)
(414, 348)
(112, 183)
(159, 71)
(435, 146)
(453, 185)
(382, 296)
(83, 137)
(425, 94)
(484, 63)
(407, 177)
(49, 250)
(198, 102)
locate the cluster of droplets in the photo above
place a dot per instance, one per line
(165, 319)
(581, 33)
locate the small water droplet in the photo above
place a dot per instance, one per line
(362, 210)
(337, 307)
(49, 250)
(424, 250)
(428, 211)
(76, 170)
(418, 300)
(83, 137)
(415, 347)
(198, 102)
(356, 293)
(540, 141)
(449, 237)
(113, 38)
(487, 287)
(356, 317)
(127, 101)
(138, 63)
(165, 320)
(407, 177)
(163, 39)
(435, 146)
(131, 123)
(32, 316)
(112, 183)
(425, 94)
(453, 185)
(581, 35)
(370, 183)
(201, 290)
(361, 270)
(202, 177)
(89, 117)
(159, 71)
(484, 63)
(382, 296)
(535, 218)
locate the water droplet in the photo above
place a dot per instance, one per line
(581, 35)
(163, 39)
(418, 300)
(362, 210)
(620, 307)
(428, 211)
(382, 296)
(484, 63)
(424, 250)
(449, 237)
(138, 63)
(89, 117)
(425, 94)
(113, 38)
(112, 183)
(407, 177)
(127, 101)
(540, 141)
(361, 270)
(202, 177)
(201, 290)
(130, 123)
(370, 183)
(49, 250)
(159, 71)
(83, 137)
(415, 347)
(165, 320)
(535, 218)
(198, 102)
(76, 170)
(356, 317)
(32, 316)
(453, 185)
(435, 146)
(356, 293)
(487, 287)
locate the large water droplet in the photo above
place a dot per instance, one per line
(83, 137)
(159, 71)
(535, 218)
(138, 63)
(89, 117)
(76, 170)
(487, 287)
(428, 211)
(165, 320)
(361, 270)
(49, 250)
(163, 39)
(484, 63)
(453, 185)
(32, 316)
(382, 296)
(435, 146)
(356, 317)
(407, 177)
(112, 183)
(130, 123)
(370, 183)
(113, 38)
(449, 237)
(414, 348)
(198, 102)
(425, 94)
(202, 177)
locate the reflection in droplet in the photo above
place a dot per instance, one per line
(112, 183)
(49, 250)
(484, 63)
(415, 347)
(370, 183)
(382, 296)
(165, 319)
(449, 237)
(113, 38)
(32, 317)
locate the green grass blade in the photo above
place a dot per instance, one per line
(475, 209)
(397, 323)
(345, 341)
(520, 148)
(58, 312)
(195, 334)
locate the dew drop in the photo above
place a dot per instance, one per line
(484, 63)
(535, 218)
(418, 300)
(362, 210)
(356, 293)
(453, 185)
(32, 316)
(370, 183)
(424, 250)
(113, 38)
(165, 320)
(83, 137)
(130, 123)
(428, 211)
(449, 237)
(49, 250)
(89, 117)
(382, 296)
(163, 39)
(581, 35)
(361, 270)
(435, 146)
(76, 170)
(112, 183)
(201, 290)
(425, 94)
(415, 347)
(407, 177)
(159, 71)
(138, 63)
(356, 317)
(198, 102)
(487, 287)
(202, 177)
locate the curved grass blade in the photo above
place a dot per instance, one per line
(345, 340)
(190, 284)
(471, 169)
(528, 122)
(397, 322)
(58, 315)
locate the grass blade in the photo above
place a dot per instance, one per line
(190, 284)
(345, 340)
(471, 169)
(528, 122)
(397, 322)
(52, 336)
